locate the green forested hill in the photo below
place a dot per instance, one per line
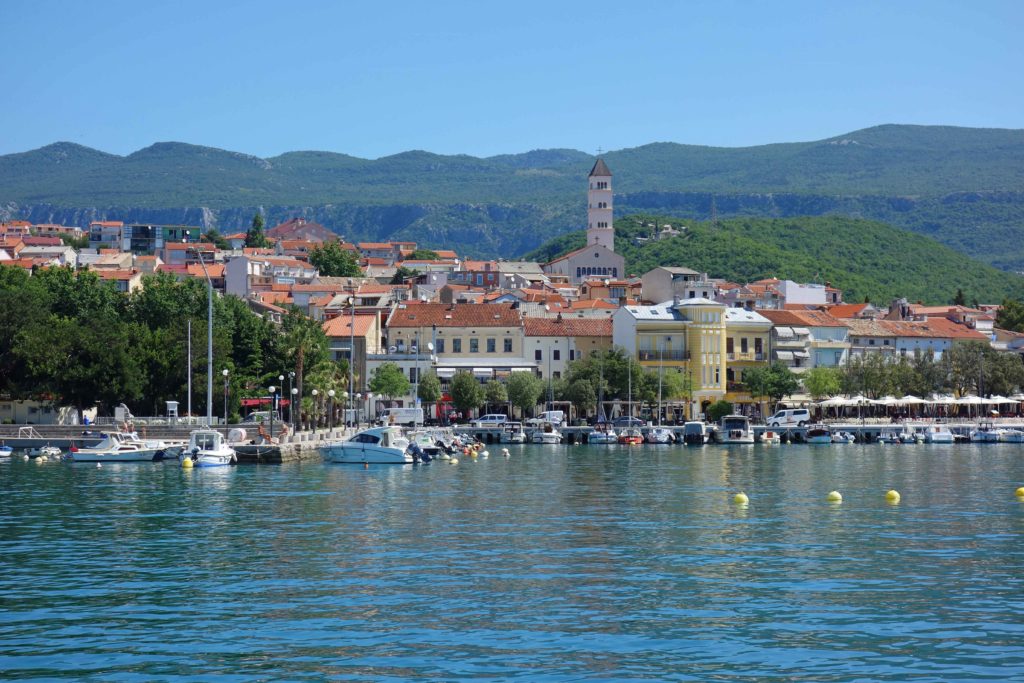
(863, 258)
(963, 186)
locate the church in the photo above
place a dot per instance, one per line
(598, 258)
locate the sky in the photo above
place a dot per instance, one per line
(482, 78)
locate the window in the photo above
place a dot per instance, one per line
(491, 343)
(871, 342)
(538, 355)
(479, 279)
(728, 345)
(412, 376)
(456, 346)
(743, 344)
(439, 346)
(556, 355)
(474, 345)
(556, 374)
(508, 345)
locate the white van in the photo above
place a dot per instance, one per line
(492, 420)
(795, 417)
(555, 417)
(401, 416)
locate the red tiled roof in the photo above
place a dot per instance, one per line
(455, 315)
(375, 245)
(933, 328)
(342, 325)
(216, 270)
(802, 318)
(568, 327)
(116, 274)
(593, 304)
(846, 310)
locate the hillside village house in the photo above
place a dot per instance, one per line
(747, 343)
(686, 334)
(552, 343)
(808, 339)
(246, 274)
(664, 283)
(891, 338)
(354, 344)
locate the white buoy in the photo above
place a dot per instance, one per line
(834, 497)
(99, 464)
(454, 461)
(504, 451)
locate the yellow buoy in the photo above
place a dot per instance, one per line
(186, 463)
(893, 496)
(1020, 492)
(834, 497)
(741, 498)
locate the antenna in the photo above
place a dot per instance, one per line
(599, 151)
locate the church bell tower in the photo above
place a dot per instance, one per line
(599, 207)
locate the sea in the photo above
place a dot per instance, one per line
(556, 563)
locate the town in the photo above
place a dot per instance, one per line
(422, 317)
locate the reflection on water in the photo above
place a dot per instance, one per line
(559, 563)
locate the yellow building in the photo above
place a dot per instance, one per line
(747, 337)
(689, 334)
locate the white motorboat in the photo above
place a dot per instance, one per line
(432, 442)
(207, 448)
(1012, 436)
(5, 451)
(889, 438)
(695, 434)
(547, 434)
(377, 445)
(46, 451)
(907, 437)
(819, 434)
(114, 447)
(734, 429)
(986, 433)
(938, 434)
(512, 432)
(660, 435)
(770, 436)
(603, 433)
(843, 437)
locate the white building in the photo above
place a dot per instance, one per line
(665, 283)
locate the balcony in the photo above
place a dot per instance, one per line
(671, 354)
(745, 356)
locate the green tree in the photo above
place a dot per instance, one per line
(959, 299)
(254, 236)
(719, 409)
(495, 393)
(467, 394)
(429, 390)
(215, 238)
(402, 274)
(524, 390)
(389, 381)
(423, 255)
(774, 382)
(822, 382)
(76, 243)
(582, 395)
(304, 344)
(332, 260)
(1011, 316)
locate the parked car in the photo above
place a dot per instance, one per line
(492, 420)
(627, 422)
(401, 416)
(794, 417)
(554, 417)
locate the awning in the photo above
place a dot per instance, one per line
(801, 354)
(784, 355)
(445, 373)
(801, 331)
(483, 372)
(522, 369)
(784, 332)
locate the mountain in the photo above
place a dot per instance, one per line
(962, 186)
(863, 258)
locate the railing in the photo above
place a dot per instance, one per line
(674, 354)
(744, 355)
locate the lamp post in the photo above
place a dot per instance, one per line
(280, 378)
(344, 402)
(225, 373)
(330, 419)
(291, 407)
(273, 408)
(369, 397)
(351, 346)
(315, 394)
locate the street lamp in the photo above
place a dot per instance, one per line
(344, 400)
(369, 397)
(225, 373)
(273, 409)
(291, 407)
(351, 346)
(315, 394)
(330, 420)
(280, 378)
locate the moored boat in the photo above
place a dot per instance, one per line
(1012, 436)
(46, 451)
(986, 433)
(603, 433)
(819, 433)
(734, 429)
(377, 445)
(114, 447)
(631, 436)
(660, 435)
(938, 434)
(770, 436)
(695, 434)
(207, 448)
(512, 432)
(5, 451)
(546, 434)
(843, 437)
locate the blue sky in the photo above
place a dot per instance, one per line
(483, 78)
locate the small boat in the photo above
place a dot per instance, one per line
(1012, 436)
(938, 434)
(114, 447)
(907, 437)
(986, 433)
(660, 435)
(843, 437)
(377, 445)
(603, 433)
(695, 434)
(46, 451)
(5, 451)
(207, 448)
(547, 434)
(819, 434)
(631, 436)
(770, 436)
(512, 432)
(734, 429)
(889, 438)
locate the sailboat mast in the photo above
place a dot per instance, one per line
(189, 412)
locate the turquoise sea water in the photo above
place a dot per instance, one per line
(559, 563)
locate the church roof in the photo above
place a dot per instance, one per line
(600, 168)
